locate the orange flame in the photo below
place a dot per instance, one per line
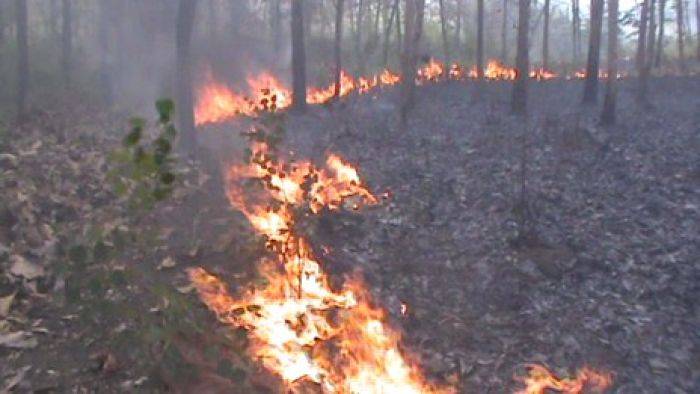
(542, 74)
(496, 70)
(540, 379)
(430, 72)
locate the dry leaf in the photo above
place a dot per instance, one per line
(18, 340)
(24, 268)
(167, 262)
(6, 303)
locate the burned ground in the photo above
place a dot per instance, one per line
(586, 255)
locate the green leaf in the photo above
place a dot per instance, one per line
(133, 137)
(165, 109)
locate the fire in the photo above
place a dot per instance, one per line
(300, 328)
(387, 77)
(542, 74)
(457, 71)
(367, 84)
(496, 70)
(539, 380)
(430, 72)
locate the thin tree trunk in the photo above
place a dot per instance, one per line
(504, 32)
(651, 41)
(545, 37)
(53, 19)
(298, 57)
(387, 33)
(399, 36)
(480, 39)
(522, 59)
(276, 23)
(679, 32)
(2, 24)
(660, 40)
(458, 27)
(590, 91)
(697, 28)
(22, 59)
(359, 53)
(338, 40)
(66, 41)
(607, 116)
(103, 32)
(185, 22)
(413, 30)
(642, 69)
(443, 27)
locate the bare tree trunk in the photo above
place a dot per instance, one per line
(53, 19)
(590, 91)
(387, 33)
(480, 39)
(576, 32)
(504, 32)
(399, 36)
(66, 41)
(522, 59)
(2, 24)
(545, 37)
(697, 28)
(103, 32)
(22, 59)
(679, 32)
(443, 27)
(458, 27)
(642, 69)
(298, 57)
(413, 30)
(660, 40)
(651, 41)
(185, 112)
(338, 40)
(607, 116)
(275, 21)
(359, 53)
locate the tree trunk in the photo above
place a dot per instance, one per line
(359, 53)
(504, 33)
(697, 28)
(660, 40)
(522, 59)
(458, 27)
(185, 111)
(22, 59)
(651, 41)
(387, 33)
(642, 69)
(2, 24)
(103, 32)
(412, 32)
(53, 19)
(545, 37)
(276, 23)
(399, 36)
(298, 57)
(590, 91)
(679, 32)
(575, 33)
(480, 39)
(338, 40)
(66, 41)
(607, 116)
(443, 27)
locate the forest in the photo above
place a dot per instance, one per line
(350, 196)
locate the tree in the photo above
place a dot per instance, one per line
(679, 35)
(66, 40)
(103, 32)
(641, 62)
(590, 90)
(275, 21)
(2, 24)
(660, 40)
(443, 28)
(185, 23)
(387, 32)
(697, 28)
(412, 31)
(504, 32)
(298, 57)
(651, 41)
(359, 53)
(480, 39)
(607, 116)
(522, 59)
(22, 59)
(338, 39)
(545, 36)
(575, 32)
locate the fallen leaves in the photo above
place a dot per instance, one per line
(22, 267)
(6, 304)
(18, 340)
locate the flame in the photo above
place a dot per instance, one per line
(540, 379)
(542, 74)
(430, 72)
(457, 71)
(300, 328)
(387, 77)
(496, 70)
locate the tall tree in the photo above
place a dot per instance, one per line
(504, 32)
(185, 111)
(607, 116)
(480, 39)
(697, 28)
(545, 36)
(679, 35)
(22, 59)
(458, 26)
(575, 32)
(276, 25)
(651, 41)
(338, 40)
(387, 32)
(641, 62)
(66, 40)
(298, 57)
(590, 90)
(359, 53)
(443, 28)
(660, 41)
(413, 29)
(103, 32)
(522, 59)
(2, 23)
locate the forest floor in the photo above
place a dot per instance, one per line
(552, 241)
